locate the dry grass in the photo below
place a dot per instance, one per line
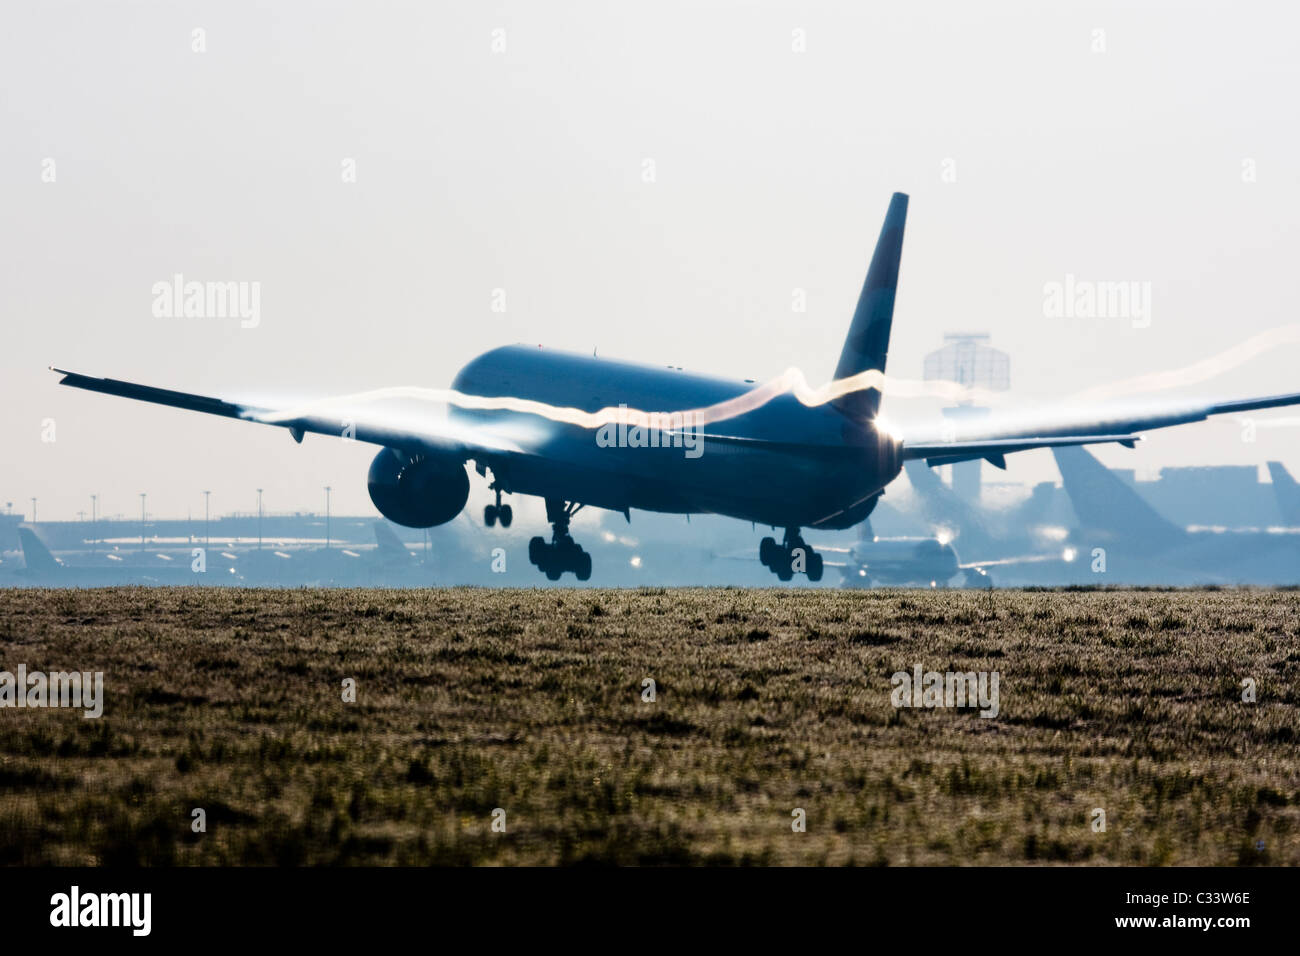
(768, 700)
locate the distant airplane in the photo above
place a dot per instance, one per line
(925, 561)
(388, 564)
(1139, 545)
(1019, 542)
(541, 422)
(897, 561)
(41, 567)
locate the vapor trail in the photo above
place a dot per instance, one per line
(794, 381)
(1198, 372)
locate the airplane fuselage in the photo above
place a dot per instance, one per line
(783, 464)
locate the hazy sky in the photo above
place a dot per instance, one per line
(524, 169)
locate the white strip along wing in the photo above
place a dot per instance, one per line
(993, 440)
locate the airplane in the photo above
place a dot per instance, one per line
(913, 560)
(1139, 545)
(768, 455)
(899, 560)
(389, 563)
(41, 567)
(1018, 539)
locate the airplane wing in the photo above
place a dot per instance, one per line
(410, 432)
(996, 450)
(993, 439)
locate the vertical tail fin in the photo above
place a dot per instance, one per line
(36, 556)
(867, 345)
(390, 546)
(1111, 511)
(1287, 493)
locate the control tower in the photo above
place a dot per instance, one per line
(968, 360)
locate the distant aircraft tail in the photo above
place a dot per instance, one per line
(390, 545)
(943, 506)
(1109, 510)
(1287, 492)
(867, 345)
(36, 556)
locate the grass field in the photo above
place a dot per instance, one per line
(766, 701)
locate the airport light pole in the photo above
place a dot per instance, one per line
(206, 499)
(259, 519)
(327, 517)
(142, 520)
(94, 504)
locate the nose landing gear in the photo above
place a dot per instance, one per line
(562, 553)
(498, 512)
(790, 557)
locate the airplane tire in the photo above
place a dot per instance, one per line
(537, 550)
(767, 552)
(582, 566)
(783, 571)
(490, 515)
(506, 514)
(815, 567)
(553, 573)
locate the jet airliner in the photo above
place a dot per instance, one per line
(782, 462)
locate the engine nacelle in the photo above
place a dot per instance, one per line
(417, 491)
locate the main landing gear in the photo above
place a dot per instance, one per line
(790, 557)
(563, 553)
(498, 512)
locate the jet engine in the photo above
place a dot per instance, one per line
(417, 491)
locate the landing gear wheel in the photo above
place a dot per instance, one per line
(562, 553)
(505, 514)
(782, 558)
(490, 515)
